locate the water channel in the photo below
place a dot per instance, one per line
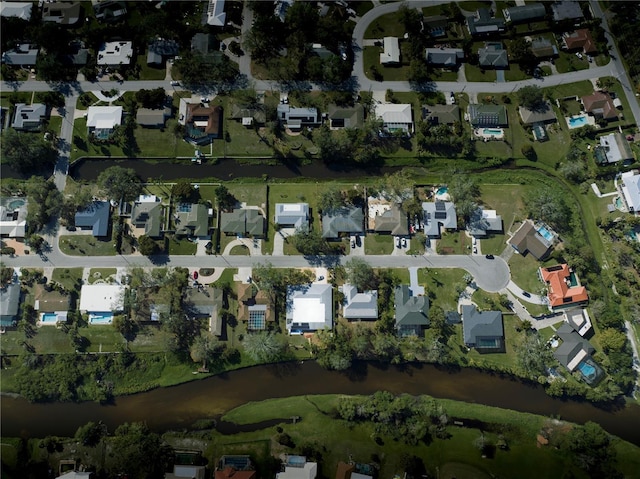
(180, 406)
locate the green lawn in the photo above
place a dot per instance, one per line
(86, 245)
(579, 89)
(101, 274)
(371, 62)
(179, 246)
(454, 242)
(514, 73)
(162, 143)
(388, 25)
(506, 359)
(69, 278)
(82, 147)
(568, 62)
(487, 301)
(415, 246)
(239, 250)
(55, 124)
(546, 333)
(378, 244)
(148, 72)
(524, 272)
(442, 284)
(474, 73)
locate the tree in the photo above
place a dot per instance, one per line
(155, 98)
(225, 200)
(532, 354)
(591, 449)
(612, 340)
(53, 99)
(532, 98)
(360, 274)
(575, 171)
(548, 204)
(206, 348)
(140, 452)
(309, 242)
(183, 191)
(465, 193)
(91, 433)
(437, 321)
(45, 202)
(6, 275)
(330, 200)
(120, 183)
(27, 153)
(147, 246)
(264, 347)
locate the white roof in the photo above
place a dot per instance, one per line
(489, 214)
(215, 13)
(104, 117)
(309, 471)
(309, 306)
(580, 355)
(579, 320)
(16, 9)
(394, 112)
(100, 298)
(10, 227)
(359, 305)
(75, 475)
(148, 199)
(631, 189)
(115, 53)
(391, 52)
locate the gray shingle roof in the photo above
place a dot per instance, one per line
(542, 115)
(482, 22)
(23, 54)
(524, 13)
(292, 214)
(242, 221)
(493, 55)
(480, 225)
(359, 305)
(477, 325)
(447, 57)
(481, 115)
(392, 221)
(346, 117)
(147, 215)
(28, 117)
(441, 114)
(96, 217)
(437, 215)
(410, 310)
(9, 304)
(572, 344)
(343, 220)
(528, 240)
(194, 222)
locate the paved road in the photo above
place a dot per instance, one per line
(519, 292)
(65, 142)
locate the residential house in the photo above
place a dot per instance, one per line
(242, 222)
(566, 10)
(64, 13)
(482, 22)
(147, 214)
(600, 105)
(493, 55)
(580, 40)
(542, 47)
(236, 462)
(579, 320)
(441, 114)
(297, 118)
(152, 117)
(391, 52)
(297, 467)
(9, 304)
(108, 10)
(344, 470)
(487, 116)
(94, 217)
(321, 51)
(186, 472)
(542, 114)
(202, 123)
(438, 215)
(574, 353)
(392, 220)
(76, 54)
(629, 189)
(231, 472)
(395, 117)
(281, 8)
(101, 302)
(115, 53)
(248, 115)
(444, 57)
(21, 10)
(292, 215)
(160, 49)
(411, 312)
(359, 305)
(435, 26)
(192, 219)
(482, 330)
(77, 475)
(29, 117)
(563, 287)
(345, 117)
(528, 240)
(207, 46)
(524, 13)
(51, 304)
(13, 219)
(23, 55)
(346, 220)
(309, 308)
(202, 302)
(102, 120)
(483, 222)
(254, 307)
(216, 17)
(613, 147)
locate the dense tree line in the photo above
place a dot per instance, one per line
(27, 153)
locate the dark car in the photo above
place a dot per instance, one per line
(528, 295)
(489, 256)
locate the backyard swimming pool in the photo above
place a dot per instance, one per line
(492, 132)
(49, 318)
(577, 121)
(101, 318)
(587, 370)
(545, 233)
(14, 203)
(618, 203)
(443, 190)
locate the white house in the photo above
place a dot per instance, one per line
(395, 116)
(359, 305)
(297, 467)
(13, 220)
(309, 308)
(103, 119)
(292, 214)
(21, 10)
(115, 53)
(101, 301)
(630, 188)
(391, 53)
(215, 13)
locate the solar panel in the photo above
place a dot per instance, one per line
(440, 206)
(440, 215)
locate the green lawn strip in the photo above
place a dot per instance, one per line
(226, 277)
(289, 249)
(361, 7)
(524, 272)
(176, 246)
(474, 73)
(69, 278)
(579, 89)
(546, 333)
(441, 286)
(54, 124)
(388, 25)
(9, 451)
(239, 250)
(253, 194)
(487, 301)
(415, 246)
(378, 244)
(454, 242)
(162, 143)
(8, 99)
(148, 72)
(101, 274)
(514, 73)
(47, 340)
(535, 309)
(569, 62)
(86, 245)
(506, 359)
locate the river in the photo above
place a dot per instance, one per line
(180, 406)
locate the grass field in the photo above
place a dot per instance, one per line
(454, 242)
(180, 246)
(378, 244)
(524, 272)
(441, 285)
(101, 274)
(69, 278)
(86, 245)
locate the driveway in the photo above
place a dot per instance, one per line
(519, 292)
(279, 239)
(414, 286)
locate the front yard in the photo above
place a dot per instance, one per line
(378, 244)
(86, 245)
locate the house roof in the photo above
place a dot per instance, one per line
(21, 10)
(77, 55)
(96, 217)
(524, 13)
(64, 13)
(482, 22)
(216, 17)
(108, 9)
(631, 190)
(493, 55)
(205, 43)
(438, 214)
(342, 220)
(580, 39)
(483, 221)
(344, 470)
(9, 303)
(239, 112)
(359, 305)
(115, 53)
(308, 471)
(579, 320)
(75, 475)
(391, 53)
(13, 221)
(410, 310)
(600, 104)
(566, 10)
(251, 299)
(296, 214)
(104, 117)
(436, 23)
(297, 116)
(206, 302)
(186, 472)
(147, 215)
(231, 473)
(23, 54)
(204, 118)
(192, 219)
(616, 147)
(100, 298)
(481, 115)
(50, 301)
(480, 324)
(347, 117)
(560, 293)
(242, 221)
(393, 220)
(528, 240)
(309, 308)
(543, 47)
(161, 48)
(441, 114)
(28, 116)
(448, 57)
(394, 115)
(152, 116)
(573, 348)
(542, 115)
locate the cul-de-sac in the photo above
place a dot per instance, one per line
(299, 239)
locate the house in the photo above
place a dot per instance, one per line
(359, 305)
(574, 353)
(563, 287)
(9, 304)
(483, 222)
(395, 116)
(482, 23)
(411, 312)
(152, 117)
(281, 8)
(600, 105)
(101, 302)
(441, 114)
(23, 55)
(254, 307)
(64, 13)
(543, 48)
(160, 49)
(437, 215)
(566, 10)
(297, 467)
(391, 221)
(94, 217)
(543, 114)
(445, 57)
(202, 123)
(52, 306)
(391, 52)
(205, 303)
(108, 10)
(613, 147)
(524, 13)
(345, 117)
(147, 214)
(487, 116)
(435, 25)
(482, 330)
(297, 118)
(237, 463)
(186, 472)
(579, 320)
(76, 54)
(248, 115)
(230, 472)
(309, 308)
(292, 215)
(13, 219)
(493, 55)
(21, 10)
(242, 222)
(102, 120)
(346, 220)
(207, 46)
(216, 17)
(580, 40)
(629, 188)
(321, 51)
(115, 53)
(191, 219)
(528, 240)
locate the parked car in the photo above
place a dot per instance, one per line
(204, 99)
(195, 275)
(353, 241)
(524, 293)
(175, 83)
(473, 241)
(320, 278)
(489, 256)
(404, 242)
(579, 55)
(397, 241)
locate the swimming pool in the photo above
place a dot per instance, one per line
(587, 370)
(15, 203)
(618, 203)
(492, 132)
(296, 461)
(443, 190)
(101, 318)
(577, 121)
(49, 318)
(545, 233)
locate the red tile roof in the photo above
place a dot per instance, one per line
(580, 39)
(204, 115)
(230, 472)
(600, 104)
(560, 293)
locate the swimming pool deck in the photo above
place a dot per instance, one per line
(590, 121)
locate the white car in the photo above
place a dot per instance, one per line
(353, 241)
(397, 241)
(175, 83)
(579, 55)
(204, 99)
(404, 242)
(473, 241)
(475, 250)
